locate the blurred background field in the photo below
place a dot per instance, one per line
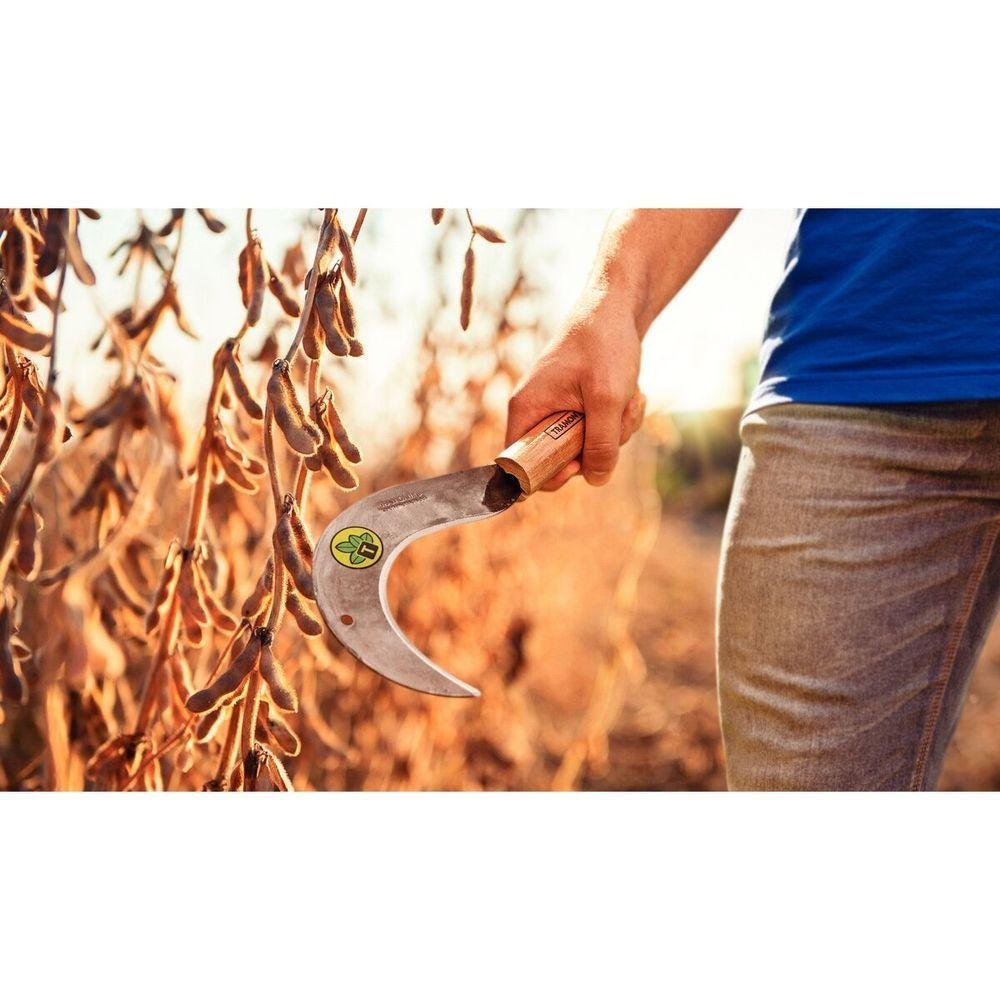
(585, 618)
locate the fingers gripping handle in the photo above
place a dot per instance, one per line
(545, 450)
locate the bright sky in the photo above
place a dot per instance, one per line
(692, 354)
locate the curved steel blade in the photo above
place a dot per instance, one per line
(355, 553)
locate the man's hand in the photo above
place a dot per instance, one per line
(593, 367)
(645, 258)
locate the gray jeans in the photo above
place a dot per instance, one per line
(860, 574)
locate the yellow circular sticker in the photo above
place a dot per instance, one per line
(356, 548)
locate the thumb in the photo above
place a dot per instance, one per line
(602, 435)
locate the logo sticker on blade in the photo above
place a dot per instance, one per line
(356, 548)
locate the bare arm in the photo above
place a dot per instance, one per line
(646, 256)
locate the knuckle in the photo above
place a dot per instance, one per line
(606, 397)
(601, 455)
(603, 396)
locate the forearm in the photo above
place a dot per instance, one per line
(647, 255)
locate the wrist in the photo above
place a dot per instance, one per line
(620, 288)
(611, 307)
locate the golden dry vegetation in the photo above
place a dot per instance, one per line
(148, 557)
(148, 564)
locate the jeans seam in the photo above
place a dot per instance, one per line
(948, 664)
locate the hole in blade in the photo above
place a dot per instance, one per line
(346, 620)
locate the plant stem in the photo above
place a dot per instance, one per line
(8, 514)
(177, 248)
(307, 306)
(14, 417)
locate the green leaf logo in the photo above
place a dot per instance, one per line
(356, 548)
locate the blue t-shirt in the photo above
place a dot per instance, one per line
(886, 306)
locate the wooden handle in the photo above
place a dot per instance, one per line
(545, 450)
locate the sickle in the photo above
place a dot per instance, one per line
(356, 551)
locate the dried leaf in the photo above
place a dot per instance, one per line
(22, 334)
(489, 234)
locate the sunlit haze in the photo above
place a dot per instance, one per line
(693, 354)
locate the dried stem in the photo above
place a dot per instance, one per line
(14, 417)
(8, 514)
(302, 477)
(196, 519)
(177, 248)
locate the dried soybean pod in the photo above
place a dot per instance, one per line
(339, 431)
(168, 579)
(339, 473)
(4, 485)
(221, 618)
(346, 246)
(328, 240)
(15, 253)
(253, 605)
(31, 392)
(300, 432)
(437, 214)
(233, 472)
(48, 261)
(305, 621)
(279, 776)
(336, 343)
(180, 675)
(303, 542)
(280, 291)
(283, 734)
(12, 684)
(50, 427)
(176, 214)
(489, 234)
(312, 339)
(222, 441)
(347, 311)
(281, 691)
(244, 275)
(297, 567)
(122, 587)
(468, 281)
(208, 725)
(326, 309)
(194, 630)
(74, 253)
(22, 334)
(254, 465)
(214, 224)
(228, 681)
(190, 597)
(242, 390)
(27, 556)
(258, 282)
